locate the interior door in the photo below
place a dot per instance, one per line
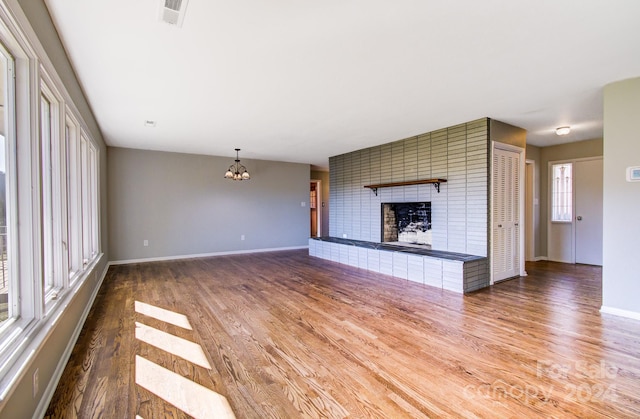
(588, 214)
(506, 214)
(561, 231)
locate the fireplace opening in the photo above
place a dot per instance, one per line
(407, 223)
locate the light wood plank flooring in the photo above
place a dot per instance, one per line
(286, 335)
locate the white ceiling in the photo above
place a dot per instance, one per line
(303, 80)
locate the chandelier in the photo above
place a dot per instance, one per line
(237, 171)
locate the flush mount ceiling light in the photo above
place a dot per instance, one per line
(563, 130)
(237, 171)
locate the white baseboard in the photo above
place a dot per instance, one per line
(47, 394)
(540, 258)
(203, 255)
(620, 312)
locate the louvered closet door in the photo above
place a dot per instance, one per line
(506, 214)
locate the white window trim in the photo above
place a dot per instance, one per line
(23, 337)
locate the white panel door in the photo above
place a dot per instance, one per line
(588, 214)
(560, 243)
(506, 214)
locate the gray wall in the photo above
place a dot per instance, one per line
(621, 265)
(508, 134)
(459, 212)
(182, 205)
(324, 178)
(21, 403)
(542, 157)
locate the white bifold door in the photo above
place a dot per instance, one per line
(506, 185)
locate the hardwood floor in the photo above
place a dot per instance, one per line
(286, 335)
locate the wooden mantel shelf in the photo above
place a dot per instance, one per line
(436, 183)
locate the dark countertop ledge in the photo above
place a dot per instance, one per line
(441, 254)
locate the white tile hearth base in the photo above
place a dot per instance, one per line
(449, 274)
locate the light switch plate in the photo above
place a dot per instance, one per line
(633, 174)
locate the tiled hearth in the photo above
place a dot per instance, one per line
(451, 271)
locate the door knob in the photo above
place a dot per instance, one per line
(579, 218)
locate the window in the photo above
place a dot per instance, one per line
(74, 200)
(93, 198)
(8, 295)
(47, 193)
(49, 200)
(53, 192)
(86, 190)
(562, 192)
(81, 211)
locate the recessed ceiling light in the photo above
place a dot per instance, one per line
(563, 130)
(149, 123)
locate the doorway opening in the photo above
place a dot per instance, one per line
(315, 210)
(530, 204)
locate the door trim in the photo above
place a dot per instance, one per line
(521, 167)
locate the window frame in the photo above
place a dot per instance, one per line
(13, 309)
(23, 210)
(53, 195)
(94, 179)
(36, 312)
(74, 198)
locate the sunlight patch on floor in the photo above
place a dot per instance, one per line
(161, 314)
(183, 348)
(190, 397)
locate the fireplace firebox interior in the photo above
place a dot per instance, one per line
(407, 223)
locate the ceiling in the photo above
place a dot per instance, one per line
(301, 81)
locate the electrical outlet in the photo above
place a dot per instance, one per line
(303, 204)
(242, 237)
(145, 243)
(36, 382)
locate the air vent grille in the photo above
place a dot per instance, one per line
(172, 11)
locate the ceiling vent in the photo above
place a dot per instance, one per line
(172, 11)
